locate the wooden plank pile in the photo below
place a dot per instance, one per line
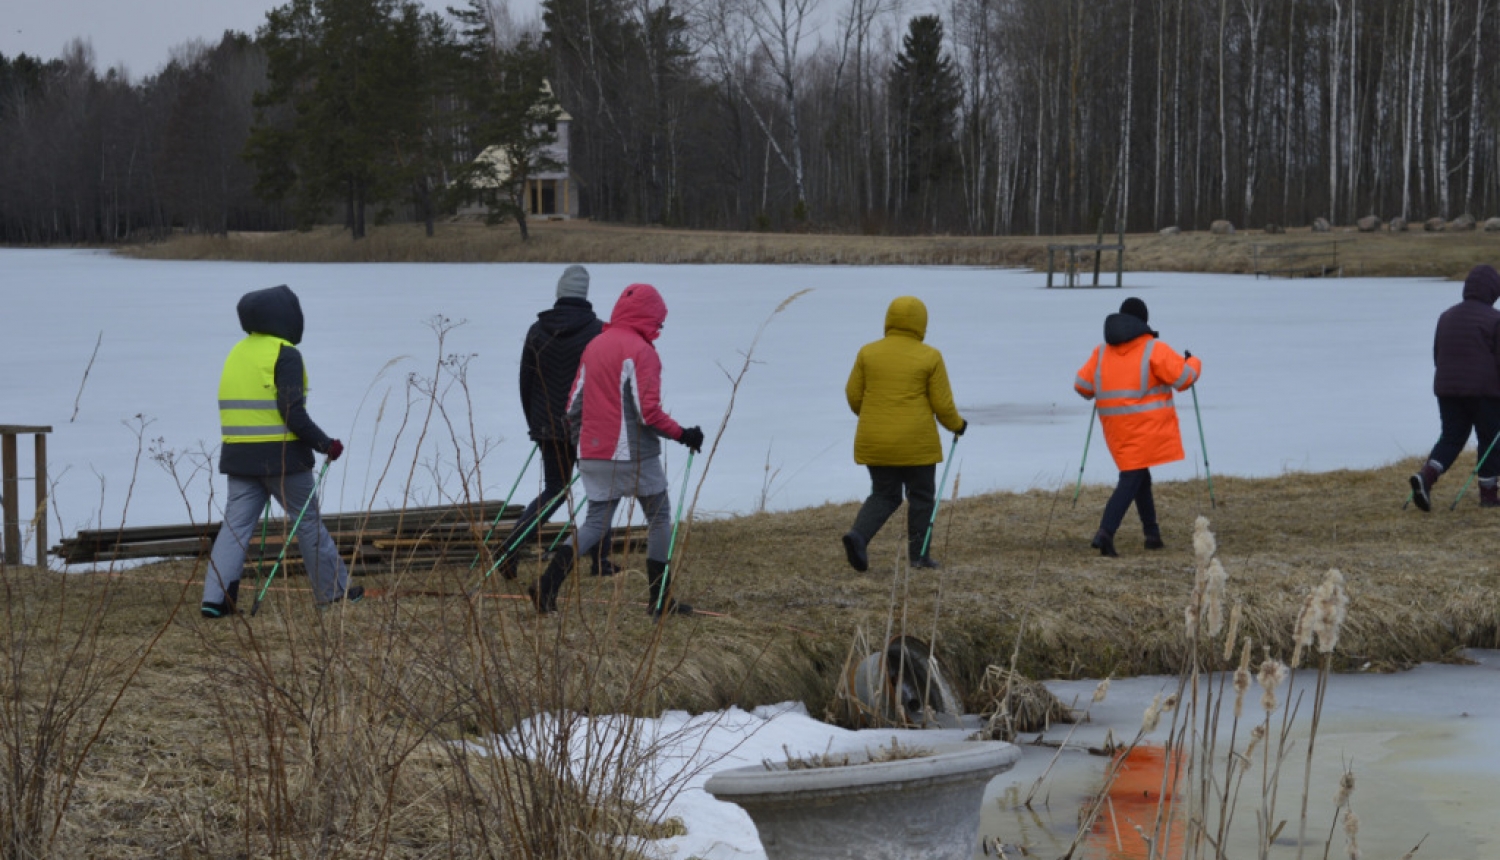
(418, 538)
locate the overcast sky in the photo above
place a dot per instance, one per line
(140, 34)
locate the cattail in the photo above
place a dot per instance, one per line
(1101, 690)
(1153, 716)
(1346, 788)
(1214, 596)
(1272, 673)
(1257, 735)
(1351, 832)
(1333, 608)
(1236, 617)
(1204, 545)
(1302, 634)
(1242, 679)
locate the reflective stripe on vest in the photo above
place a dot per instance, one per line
(1141, 393)
(247, 392)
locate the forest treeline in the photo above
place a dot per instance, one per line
(982, 117)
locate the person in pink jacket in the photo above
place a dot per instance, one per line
(616, 419)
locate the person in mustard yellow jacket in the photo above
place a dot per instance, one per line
(1130, 378)
(897, 386)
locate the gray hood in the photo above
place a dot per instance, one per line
(274, 311)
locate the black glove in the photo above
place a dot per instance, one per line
(692, 437)
(335, 449)
(960, 430)
(1187, 353)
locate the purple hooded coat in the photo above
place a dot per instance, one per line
(1466, 348)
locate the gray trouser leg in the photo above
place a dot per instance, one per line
(595, 523)
(319, 554)
(658, 509)
(247, 498)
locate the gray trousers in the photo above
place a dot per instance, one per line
(242, 510)
(609, 481)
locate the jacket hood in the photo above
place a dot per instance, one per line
(567, 316)
(1124, 328)
(273, 311)
(641, 309)
(907, 314)
(1482, 284)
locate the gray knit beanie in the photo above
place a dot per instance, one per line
(574, 283)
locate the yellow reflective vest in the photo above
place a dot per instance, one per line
(247, 392)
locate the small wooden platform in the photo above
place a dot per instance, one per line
(1074, 255)
(409, 540)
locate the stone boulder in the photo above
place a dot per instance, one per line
(1170, 231)
(1321, 225)
(1368, 224)
(1462, 223)
(1434, 225)
(1492, 225)
(1397, 225)
(1274, 230)
(1221, 228)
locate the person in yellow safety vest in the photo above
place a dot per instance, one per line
(269, 443)
(1130, 377)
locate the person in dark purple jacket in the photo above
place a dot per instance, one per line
(1466, 350)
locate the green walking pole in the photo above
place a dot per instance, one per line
(1087, 440)
(475, 563)
(286, 543)
(563, 532)
(666, 574)
(938, 499)
(1473, 474)
(541, 517)
(1203, 443)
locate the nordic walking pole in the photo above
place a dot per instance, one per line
(1474, 473)
(265, 522)
(1078, 487)
(1203, 443)
(524, 467)
(541, 515)
(938, 497)
(563, 532)
(666, 573)
(255, 607)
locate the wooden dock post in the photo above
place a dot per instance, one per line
(10, 475)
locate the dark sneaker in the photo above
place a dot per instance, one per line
(1105, 543)
(1489, 497)
(545, 604)
(673, 607)
(508, 568)
(1420, 492)
(353, 594)
(1153, 538)
(225, 609)
(855, 552)
(925, 562)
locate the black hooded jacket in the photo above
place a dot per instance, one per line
(1466, 348)
(549, 363)
(1124, 328)
(276, 311)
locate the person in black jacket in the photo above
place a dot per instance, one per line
(1466, 350)
(269, 447)
(549, 362)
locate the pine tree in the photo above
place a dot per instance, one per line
(925, 95)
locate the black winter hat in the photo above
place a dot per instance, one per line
(1136, 308)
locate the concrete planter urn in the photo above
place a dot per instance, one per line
(924, 807)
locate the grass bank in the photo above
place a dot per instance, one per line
(299, 732)
(1412, 253)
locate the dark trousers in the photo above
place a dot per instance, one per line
(1460, 416)
(558, 460)
(1134, 486)
(886, 486)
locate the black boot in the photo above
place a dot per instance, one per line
(1422, 482)
(221, 610)
(1489, 493)
(662, 604)
(856, 552)
(1105, 543)
(543, 592)
(1153, 537)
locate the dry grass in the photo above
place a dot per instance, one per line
(221, 713)
(1413, 253)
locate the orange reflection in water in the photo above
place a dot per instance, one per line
(1135, 800)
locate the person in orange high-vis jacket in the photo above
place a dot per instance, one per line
(1130, 377)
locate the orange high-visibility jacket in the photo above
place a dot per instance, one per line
(1131, 384)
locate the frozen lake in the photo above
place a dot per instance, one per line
(1298, 375)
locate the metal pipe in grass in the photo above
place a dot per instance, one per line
(666, 573)
(1477, 466)
(1087, 440)
(937, 497)
(1203, 443)
(480, 553)
(255, 607)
